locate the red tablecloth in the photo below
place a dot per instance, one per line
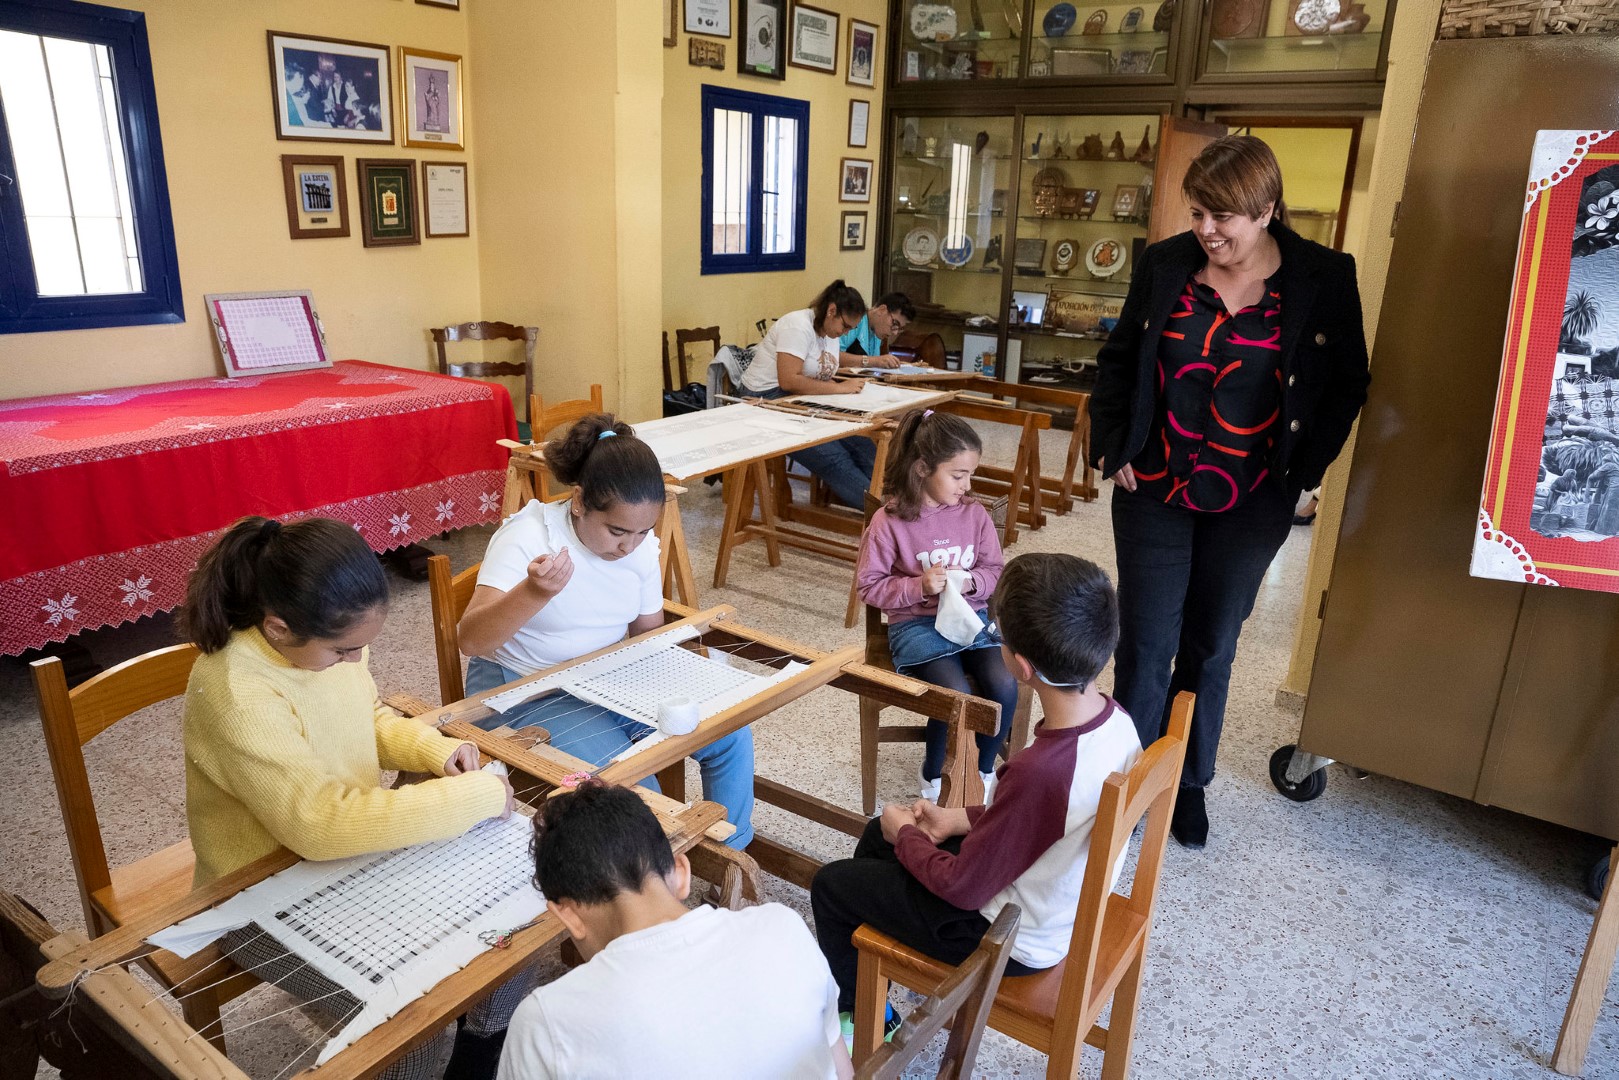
(107, 499)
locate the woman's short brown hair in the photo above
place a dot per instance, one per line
(1236, 174)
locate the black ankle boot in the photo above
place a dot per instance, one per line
(476, 1057)
(1189, 824)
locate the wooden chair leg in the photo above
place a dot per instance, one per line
(672, 780)
(767, 513)
(852, 613)
(870, 714)
(1121, 1025)
(736, 483)
(201, 1012)
(870, 1001)
(1018, 737)
(1591, 984)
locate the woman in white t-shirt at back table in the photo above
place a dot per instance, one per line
(564, 579)
(800, 356)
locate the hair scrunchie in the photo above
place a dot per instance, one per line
(608, 434)
(270, 527)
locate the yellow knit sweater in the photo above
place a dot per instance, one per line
(278, 756)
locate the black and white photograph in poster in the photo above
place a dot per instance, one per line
(763, 50)
(711, 17)
(814, 43)
(1578, 492)
(330, 90)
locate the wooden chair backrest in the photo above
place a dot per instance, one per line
(450, 596)
(489, 331)
(1147, 791)
(877, 653)
(546, 420)
(963, 1001)
(71, 718)
(710, 334)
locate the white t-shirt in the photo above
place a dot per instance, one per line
(716, 995)
(794, 334)
(591, 612)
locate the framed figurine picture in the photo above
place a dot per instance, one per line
(317, 197)
(814, 43)
(856, 182)
(852, 237)
(430, 98)
(329, 90)
(862, 54)
(762, 49)
(388, 214)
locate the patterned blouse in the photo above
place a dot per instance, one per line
(1219, 400)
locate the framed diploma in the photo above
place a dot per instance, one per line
(859, 123)
(815, 39)
(711, 17)
(444, 198)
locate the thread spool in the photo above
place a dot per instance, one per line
(677, 716)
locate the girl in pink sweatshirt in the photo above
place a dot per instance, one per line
(930, 524)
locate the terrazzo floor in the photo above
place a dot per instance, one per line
(1380, 931)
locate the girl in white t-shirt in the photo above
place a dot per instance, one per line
(568, 578)
(800, 356)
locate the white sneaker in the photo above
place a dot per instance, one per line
(989, 780)
(930, 788)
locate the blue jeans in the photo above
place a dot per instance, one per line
(845, 466)
(596, 734)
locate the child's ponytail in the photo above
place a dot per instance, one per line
(609, 464)
(317, 575)
(924, 440)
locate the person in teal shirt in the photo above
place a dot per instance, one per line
(874, 333)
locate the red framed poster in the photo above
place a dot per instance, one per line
(1550, 509)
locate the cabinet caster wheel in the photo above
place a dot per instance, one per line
(1305, 790)
(1597, 879)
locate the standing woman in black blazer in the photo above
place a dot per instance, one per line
(1228, 387)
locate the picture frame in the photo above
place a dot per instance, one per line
(266, 333)
(671, 19)
(1133, 62)
(705, 52)
(1160, 61)
(852, 233)
(1081, 63)
(859, 122)
(762, 45)
(453, 5)
(330, 90)
(1126, 200)
(317, 196)
(388, 211)
(446, 209)
(430, 103)
(1029, 255)
(862, 54)
(913, 66)
(854, 183)
(1081, 312)
(813, 43)
(711, 18)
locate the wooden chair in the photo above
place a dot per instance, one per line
(873, 733)
(111, 897)
(1055, 1010)
(962, 1002)
(490, 331)
(710, 334)
(737, 878)
(546, 420)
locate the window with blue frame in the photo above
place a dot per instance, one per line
(86, 238)
(755, 158)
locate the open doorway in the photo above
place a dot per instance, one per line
(1320, 157)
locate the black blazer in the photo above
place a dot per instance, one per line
(1324, 369)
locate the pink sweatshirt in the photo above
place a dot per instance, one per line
(894, 553)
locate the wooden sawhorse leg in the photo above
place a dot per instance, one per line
(679, 583)
(1591, 984)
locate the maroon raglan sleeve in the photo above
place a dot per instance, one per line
(1027, 816)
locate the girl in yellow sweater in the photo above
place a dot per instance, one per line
(285, 740)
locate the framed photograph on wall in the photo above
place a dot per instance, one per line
(444, 199)
(763, 45)
(814, 43)
(325, 89)
(852, 236)
(862, 54)
(387, 201)
(317, 197)
(710, 17)
(859, 123)
(262, 333)
(855, 185)
(430, 98)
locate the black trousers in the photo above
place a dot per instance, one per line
(1187, 580)
(873, 887)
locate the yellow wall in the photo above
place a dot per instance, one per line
(211, 68)
(736, 301)
(1408, 62)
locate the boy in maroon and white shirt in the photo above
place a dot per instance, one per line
(934, 878)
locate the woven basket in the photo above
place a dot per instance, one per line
(1511, 18)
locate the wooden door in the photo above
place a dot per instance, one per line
(1179, 142)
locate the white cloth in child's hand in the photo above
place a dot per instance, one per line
(957, 621)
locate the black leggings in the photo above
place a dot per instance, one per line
(962, 671)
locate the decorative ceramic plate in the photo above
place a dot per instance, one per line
(933, 22)
(1105, 258)
(1131, 21)
(956, 250)
(1096, 23)
(921, 245)
(1059, 20)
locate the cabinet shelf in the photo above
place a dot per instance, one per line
(1145, 166)
(1349, 52)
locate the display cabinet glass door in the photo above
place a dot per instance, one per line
(969, 39)
(1100, 40)
(1247, 37)
(948, 206)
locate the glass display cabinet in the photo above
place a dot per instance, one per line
(958, 42)
(1100, 41)
(1308, 39)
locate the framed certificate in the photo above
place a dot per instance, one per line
(444, 198)
(710, 17)
(815, 39)
(859, 123)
